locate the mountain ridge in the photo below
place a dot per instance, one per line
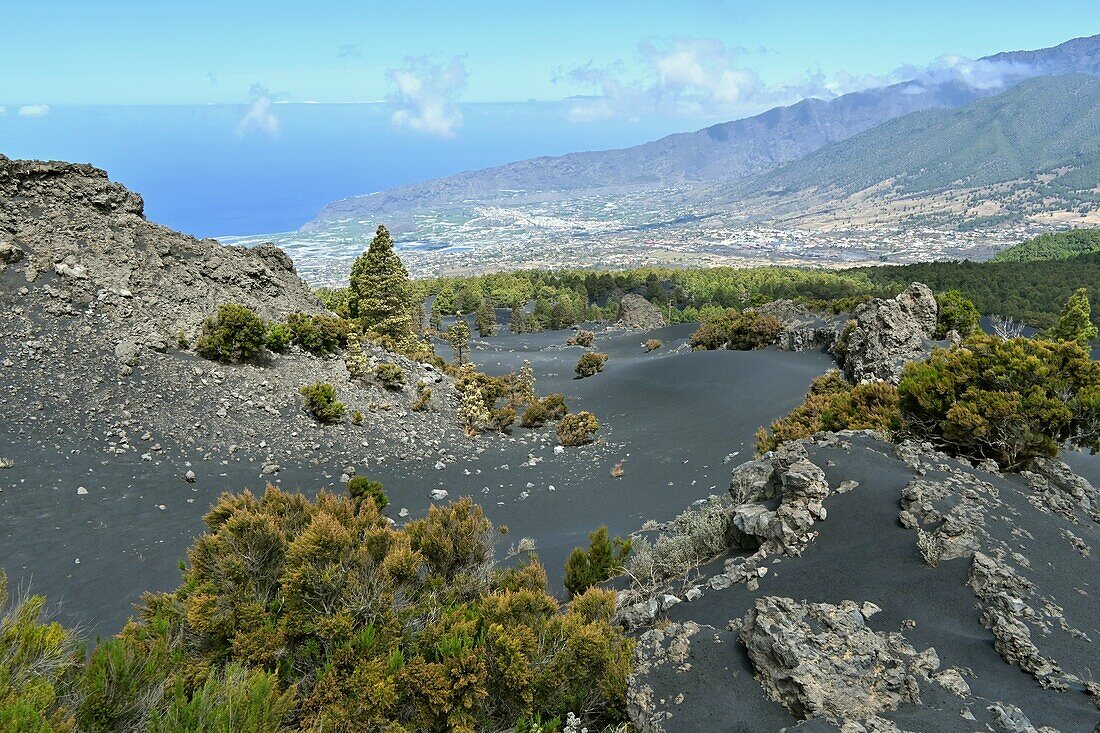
(723, 151)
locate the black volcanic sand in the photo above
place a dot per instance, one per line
(864, 554)
(670, 418)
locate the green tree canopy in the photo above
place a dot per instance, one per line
(380, 295)
(1075, 323)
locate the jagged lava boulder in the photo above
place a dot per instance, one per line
(637, 312)
(887, 333)
(802, 328)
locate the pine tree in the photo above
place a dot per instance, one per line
(435, 319)
(459, 337)
(486, 319)
(381, 295)
(1075, 323)
(519, 320)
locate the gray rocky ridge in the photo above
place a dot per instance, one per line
(637, 312)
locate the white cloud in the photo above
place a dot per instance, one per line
(426, 95)
(702, 77)
(34, 110)
(259, 117)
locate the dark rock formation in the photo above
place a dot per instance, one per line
(887, 334)
(822, 660)
(637, 312)
(994, 571)
(72, 229)
(802, 328)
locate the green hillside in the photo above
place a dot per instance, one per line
(1043, 125)
(1032, 292)
(1052, 246)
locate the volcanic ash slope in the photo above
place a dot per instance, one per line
(869, 586)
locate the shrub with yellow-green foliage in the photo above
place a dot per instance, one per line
(834, 404)
(37, 660)
(321, 402)
(591, 363)
(542, 411)
(390, 375)
(378, 628)
(604, 559)
(577, 428)
(735, 330)
(235, 333)
(1007, 400)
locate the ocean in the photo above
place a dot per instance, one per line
(198, 174)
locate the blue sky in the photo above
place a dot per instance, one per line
(198, 52)
(205, 107)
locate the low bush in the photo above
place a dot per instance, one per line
(736, 330)
(590, 363)
(550, 408)
(1009, 400)
(390, 376)
(423, 401)
(37, 659)
(356, 417)
(653, 345)
(695, 537)
(235, 333)
(956, 313)
(752, 331)
(577, 428)
(582, 338)
(300, 615)
(361, 488)
(502, 418)
(278, 338)
(321, 402)
(603, 560)
(834, 404)
(318, 334)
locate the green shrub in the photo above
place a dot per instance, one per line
(236, 700)
(1010, 400)
(300, 615)
(36, 660)
(318, 334)
(604, 559)
(361, 488)
(653, 345)
(321, 402)
(956, 313)
(577, 428)
(1075, 321)
(731, 329)
(709, 337)
(834, 404)
(549, 408)
(235, 333)
(582, 338)
(502, 418)
(278, 338)
(121, 685)
(356, 417)
(590, 363)
(423, 401)
(390, 376)
(753, 331)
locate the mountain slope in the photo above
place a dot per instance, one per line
(725, 151)
(1037, 126)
